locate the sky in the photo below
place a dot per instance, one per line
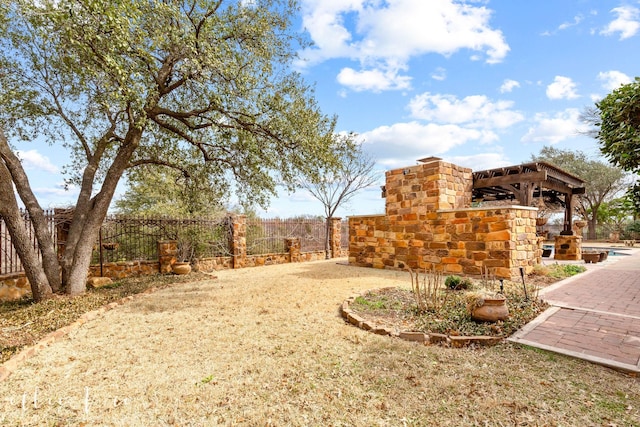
(478, 83)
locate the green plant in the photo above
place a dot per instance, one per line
(428, 292)
(378, 304)
(567, 270)
(456, 282)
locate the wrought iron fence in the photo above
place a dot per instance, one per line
(9, 260)
(126, 238)
(269, 235)
(344, 233)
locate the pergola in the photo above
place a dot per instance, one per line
(528, 182)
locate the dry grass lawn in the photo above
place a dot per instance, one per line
(267, 346)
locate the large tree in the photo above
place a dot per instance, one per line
(127, 83)
(603, 182)
(617, 119)
(158, 191)
(336, 184)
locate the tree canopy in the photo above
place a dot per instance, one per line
(619, 126)
(617, 117)
(189, 85)
(160, 191)
(603, 182)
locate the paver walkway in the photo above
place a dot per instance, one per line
(594, 316)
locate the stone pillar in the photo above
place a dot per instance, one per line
(335, 237)
(167, 250)
(568, 248)
(292, 245)
(239, 240)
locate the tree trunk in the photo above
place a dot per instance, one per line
(10, 213)
(591, 228)
(327, 240)
(89, 215)
(16, 175)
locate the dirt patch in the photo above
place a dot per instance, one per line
(267, 346)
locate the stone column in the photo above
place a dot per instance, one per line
(335, 237)
(292, 245)
(568, 248)
(239, 240)
(167, 250)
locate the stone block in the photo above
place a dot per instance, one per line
(413, 336)
(98, 282)
(435, 338)
(498, 236)
(453, 268)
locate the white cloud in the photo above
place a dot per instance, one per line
(555, 128)
(612, 80)
(562, 88)
(508, 85)
(576, 20)
(439, 74)
(385, 35)
(33, 160)
(627, 23)
(481, 161)
(406, 142)
(475, 111)
(373, 80)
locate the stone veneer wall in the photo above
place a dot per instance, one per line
(465, 241)
(15, 286)
(568, 248)
(429, 224)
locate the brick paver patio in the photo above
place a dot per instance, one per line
(594, 316)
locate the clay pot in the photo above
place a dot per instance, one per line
(181, 268)
(541, 221)
(492, 310)
(591, 257)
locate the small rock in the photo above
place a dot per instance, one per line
(98, 282)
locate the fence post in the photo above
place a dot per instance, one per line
(293, 247)
(239, 240)
(336, 237)
(167, 250)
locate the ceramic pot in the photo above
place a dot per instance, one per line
(590, 257)
(181, 268)
(492, 310)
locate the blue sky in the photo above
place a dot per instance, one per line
(482, 84)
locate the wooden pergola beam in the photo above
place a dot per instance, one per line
(501, 181)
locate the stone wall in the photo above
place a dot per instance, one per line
(429, 224)
(467, 241)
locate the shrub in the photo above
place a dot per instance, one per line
(456, 283)
(428, 292)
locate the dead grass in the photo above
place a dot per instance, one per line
(266, 346)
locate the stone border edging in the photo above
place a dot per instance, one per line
(454, 341)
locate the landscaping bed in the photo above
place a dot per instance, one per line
(398, 308)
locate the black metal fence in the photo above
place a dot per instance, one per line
(126, 238)
(9, 260)
(269, 235)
